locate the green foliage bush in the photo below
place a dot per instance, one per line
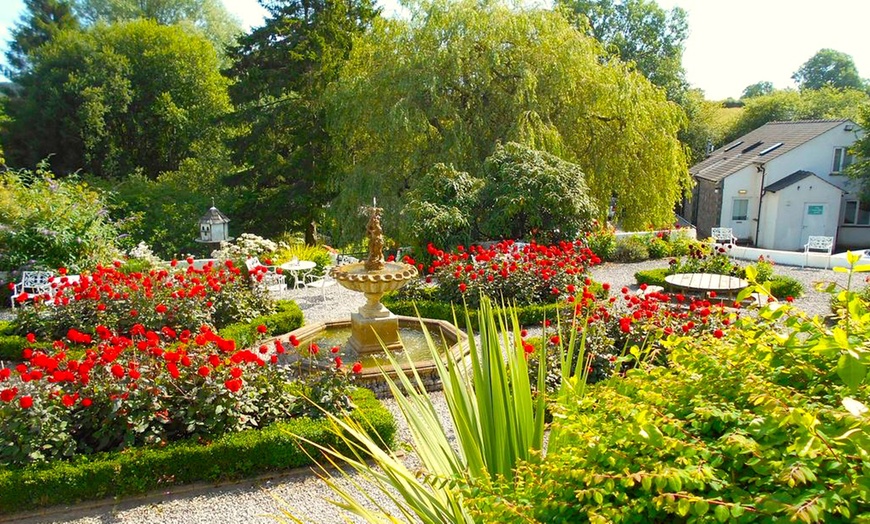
(782, 287)
(658, 247)
(50, 223)
(652, 277)
(631, 249)
(138, 470)
(746, 424)
(287, 317)
(602, 242)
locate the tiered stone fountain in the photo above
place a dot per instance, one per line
(374, 329)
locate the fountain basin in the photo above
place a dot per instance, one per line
(327, 334)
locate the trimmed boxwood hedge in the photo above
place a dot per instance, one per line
(138, 470)
(287, 317)
(652, 277)
(528, 315)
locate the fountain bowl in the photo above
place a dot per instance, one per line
(356, 277)
(371, 377)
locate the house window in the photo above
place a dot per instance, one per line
(842, 159)
(857, 213)
(740, 209)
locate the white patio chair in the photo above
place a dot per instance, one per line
(322, 283)
(818, 243)
(265, 277)
(33, 283)
(723, 234)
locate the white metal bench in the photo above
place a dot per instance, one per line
(818, 243)
(33, 283)
(265, 277)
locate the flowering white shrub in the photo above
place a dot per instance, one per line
(143, 252)
(247, 245)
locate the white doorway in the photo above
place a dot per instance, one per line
(740, 218)
(813, 223)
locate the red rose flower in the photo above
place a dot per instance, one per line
(338, 362)
(26, 402)
(203, 371)
(160, 308)
(236, 372)
(118, 371)
(357, 367)
(262, 329)
(233, 384)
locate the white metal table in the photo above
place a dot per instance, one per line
(298, 270)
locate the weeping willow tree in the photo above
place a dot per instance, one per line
(457, 78)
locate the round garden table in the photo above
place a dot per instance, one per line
(298, 269)
(706, 282)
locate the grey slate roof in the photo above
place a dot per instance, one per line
(214, 216)
(794, 178)
(739, 153)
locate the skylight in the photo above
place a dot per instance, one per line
(750, 148)
(732, 146)
(769, 149)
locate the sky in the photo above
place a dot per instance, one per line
(731, 44)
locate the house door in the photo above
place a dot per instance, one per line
(815, 216)
(740, 217)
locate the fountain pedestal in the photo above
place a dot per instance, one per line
(368, 334)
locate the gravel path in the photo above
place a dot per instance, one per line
(260, 501)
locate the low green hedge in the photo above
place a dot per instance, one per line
(134, 471)
(287, 317)
(528, 315)
(652, 277)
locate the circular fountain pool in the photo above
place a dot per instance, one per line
(337, 333)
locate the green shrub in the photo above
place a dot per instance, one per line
(11, 347)
(658, 248)
(602, 242)
(782, 287)
(287, 318)
(51, 223)
(238, 455)
(679, 244)
(7, 327)
(631, 249)
(652, 277)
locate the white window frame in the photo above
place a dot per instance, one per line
(842, 160)
(734, 208)
(850, 218)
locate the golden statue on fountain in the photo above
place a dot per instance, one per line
(374, 324)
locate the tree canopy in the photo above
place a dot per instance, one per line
(639, 32)
(457, 78)
(116, 99)
(207, 16)
(280, 71)
(788, 104)
(758, 89)
(828, 68)
(42, 20)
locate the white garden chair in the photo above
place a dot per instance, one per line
(265, 277)
(322, 283)
(723, 235)
(818, 243)
(33, 283)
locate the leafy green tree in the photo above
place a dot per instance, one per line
(828, 68)
(459, 77)
(638, 31)
(280, 71)
(860, 169)
(42, 20)
(758, 89)
(533, 194)
(441, 207)
(788, 104)
(207, 16)
(116, 99)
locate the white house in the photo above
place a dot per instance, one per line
(781, 183)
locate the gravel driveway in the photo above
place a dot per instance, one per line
(255, 501)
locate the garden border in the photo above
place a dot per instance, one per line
(141, 470)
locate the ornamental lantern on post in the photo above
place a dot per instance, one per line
(213, 227)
